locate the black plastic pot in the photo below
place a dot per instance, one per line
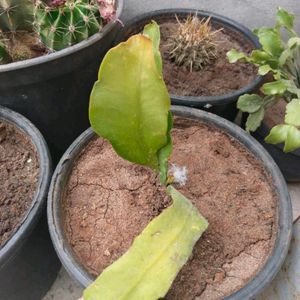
(53, 91)
(28, 262)
(273, 264)
(289, 163)
(223, 105)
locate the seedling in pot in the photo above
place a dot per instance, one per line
(130, 107)
(281, 58)
(50, 25)
(193, 46)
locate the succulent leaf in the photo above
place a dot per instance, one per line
(162, 248)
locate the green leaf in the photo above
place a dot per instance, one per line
(285, 55)
(233, 56)
(277, 134)
(130, 104)
(288, 134)
(292, 115)
(264, 69)
(254, 120)
(293, 43)
(147, 270)
(164, 153)
(274, 88)
(284, 18)
(260, 57)
(293, 139)
(249, 103)
(152, 31)
(270, 40)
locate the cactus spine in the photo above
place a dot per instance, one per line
(65, 23)
(193, 45)
(16, 15)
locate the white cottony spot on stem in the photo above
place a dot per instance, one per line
(179, 174)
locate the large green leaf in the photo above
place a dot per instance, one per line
(249, 103)
(292, 116)
(284, 18)
(274, 88)
(130, 104)
(270, 40)
(254, 120)
(147, 270)
(287, 134)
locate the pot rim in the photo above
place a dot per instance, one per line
(38, 204)
(229, 23)
(67, 51)
(283, 236)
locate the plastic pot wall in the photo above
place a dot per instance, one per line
(222, 105)
(28, 262)
(53, 91)
(252, 288)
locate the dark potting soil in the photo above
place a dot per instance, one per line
(19, 170)
(109, 201)
(218, 78)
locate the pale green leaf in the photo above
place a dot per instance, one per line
(274, 88)
(147, 270)
(284, 18)
(152, 31)
(285, 55)
(264, 69)
(233, 55)
(254, 120)
(130, 104)
(270, 40)
(249, 103)
(277, 134)
(293, 139)
(292, 115)
(294, 42)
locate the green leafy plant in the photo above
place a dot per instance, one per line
(193, 45)
(51, 25)
(281, 58)
(130, 107)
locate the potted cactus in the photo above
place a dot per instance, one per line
(274, 114)
(193, 46)
(49, 51)
(125, 206)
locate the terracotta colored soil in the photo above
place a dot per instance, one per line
(216, 79)
(275, 114)
(109, 201)
(18, 179)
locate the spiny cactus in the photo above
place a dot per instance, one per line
(193, 45)
(64, 23)
(16, 15)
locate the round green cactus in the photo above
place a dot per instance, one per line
(16, 15)
(65, 23)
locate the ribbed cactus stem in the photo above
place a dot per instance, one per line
(16, 15)
(66, 23)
